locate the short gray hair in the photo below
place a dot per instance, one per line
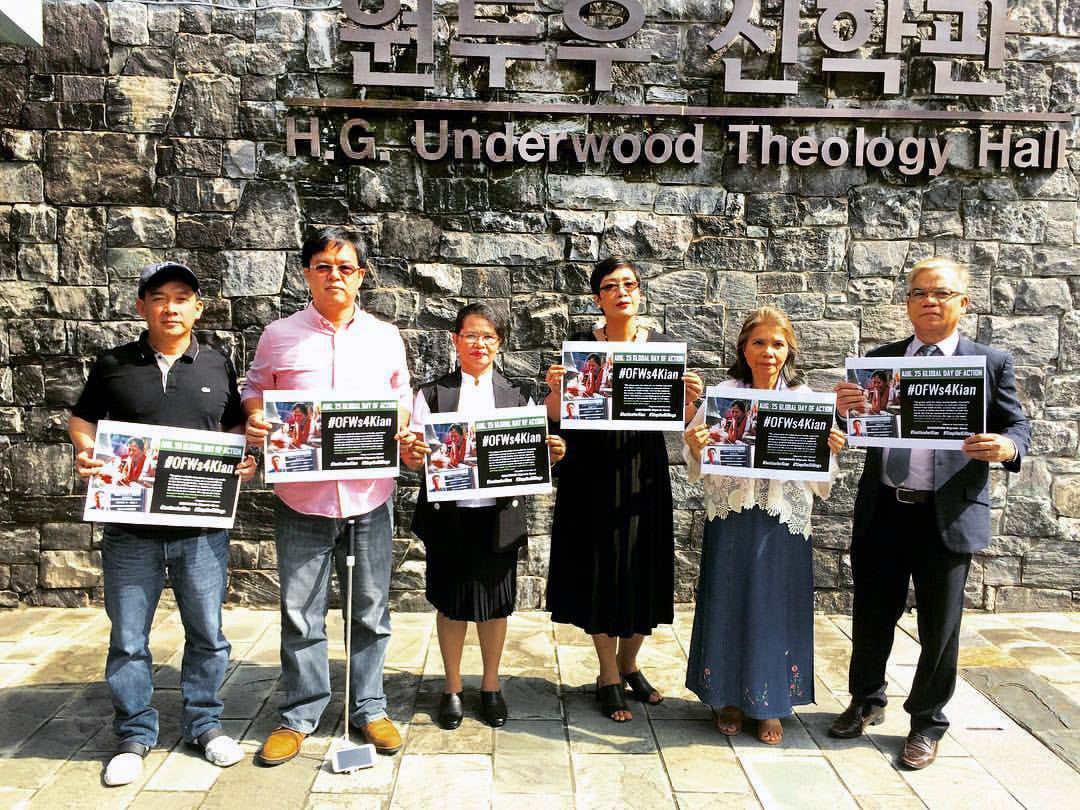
(940, 263)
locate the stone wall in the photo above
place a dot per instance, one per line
(146, 130)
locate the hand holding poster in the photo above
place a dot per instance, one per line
(927, 402)
(622, 386)
(768, 434)
(164, 476)
(503, 452)
(326, 436)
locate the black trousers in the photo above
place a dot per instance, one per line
(903, 543)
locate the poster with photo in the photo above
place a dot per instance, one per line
(768, 434)
(503, 452)
(622, 386)
(164, 476)
(329, 436)
(917, 402)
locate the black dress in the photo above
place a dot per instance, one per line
(612, 542)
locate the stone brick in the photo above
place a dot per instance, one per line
(717, 253)
(86, 168)
(802, 249)
(140, 103)
(683, 287)
(438, 278)
(252, 272)
(70, 569)
(268, 217)
(878, 258)
(128, 23)
(1032, 340)
(598, 192)
(39, 262)
(41, 468)
(75, 39)
(700, 326)
(19, 544)
(884, 213)
(645, 236)
(136, 226)
(499, 249)
(33, 223)
(538, 321)
(20, 183)
(208, 106)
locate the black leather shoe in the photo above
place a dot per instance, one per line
(450, 711)
(493, 708)
(853, 721)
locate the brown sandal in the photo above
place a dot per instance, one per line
(728, 721)
(761, 733)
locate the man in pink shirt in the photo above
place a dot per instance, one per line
(332, 344)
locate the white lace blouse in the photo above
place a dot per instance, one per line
(789, 501)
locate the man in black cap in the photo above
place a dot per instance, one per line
(163, 378)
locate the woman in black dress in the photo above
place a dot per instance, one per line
(472, 546)
(612, 541)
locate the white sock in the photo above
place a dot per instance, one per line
(223, 751)
(123, 769)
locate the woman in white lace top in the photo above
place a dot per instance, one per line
(752, 649)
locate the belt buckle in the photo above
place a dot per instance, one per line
(905, 495)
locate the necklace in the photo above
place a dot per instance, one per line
(637, 331)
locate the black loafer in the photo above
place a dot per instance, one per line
(852, 722)
(493, 708)
(450, 711)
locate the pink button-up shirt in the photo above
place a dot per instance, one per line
(306, 352)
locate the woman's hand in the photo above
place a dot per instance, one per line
(413, 449)
(837, 440)
(246, 468)
(696, 438)
(554, 378)
(556, 448)
(693, 385)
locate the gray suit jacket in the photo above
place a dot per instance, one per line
(962, 499)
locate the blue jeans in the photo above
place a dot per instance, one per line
(134, 566)
(307, 547)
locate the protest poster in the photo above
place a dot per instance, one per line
(503, 452)
(756, 433)
(329, 436)
(164, 476)
(917, 402)
(622, 386)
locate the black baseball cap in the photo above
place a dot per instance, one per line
(159, 273)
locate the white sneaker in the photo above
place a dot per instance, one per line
(123, 769)
(223, 751)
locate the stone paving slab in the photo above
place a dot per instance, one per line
(557, 751)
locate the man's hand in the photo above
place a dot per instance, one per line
(413, 449)
(256, 429)
(989, 447)
(556, 448)
(86, 465)
(696, 438)
(849, 397)
(554, 378)
(246, 469)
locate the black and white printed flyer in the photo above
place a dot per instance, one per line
(622, 386)
(164, 476)
(329, 436)
(917, 402)
(503, 452)
(756, 433)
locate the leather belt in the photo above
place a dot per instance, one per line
(910, 496)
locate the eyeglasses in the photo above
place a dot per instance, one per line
(611, 286)
(345, 270)
(940, 294)
(474, 339)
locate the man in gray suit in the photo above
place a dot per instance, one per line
(919, 515)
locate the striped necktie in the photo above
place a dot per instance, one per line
(898, 463)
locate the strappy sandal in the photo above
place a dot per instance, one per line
(728, 721)
(612, 700)
(640, 688)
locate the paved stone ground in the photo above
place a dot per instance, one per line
(557, 751)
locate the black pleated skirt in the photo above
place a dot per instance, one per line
(466, 580)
